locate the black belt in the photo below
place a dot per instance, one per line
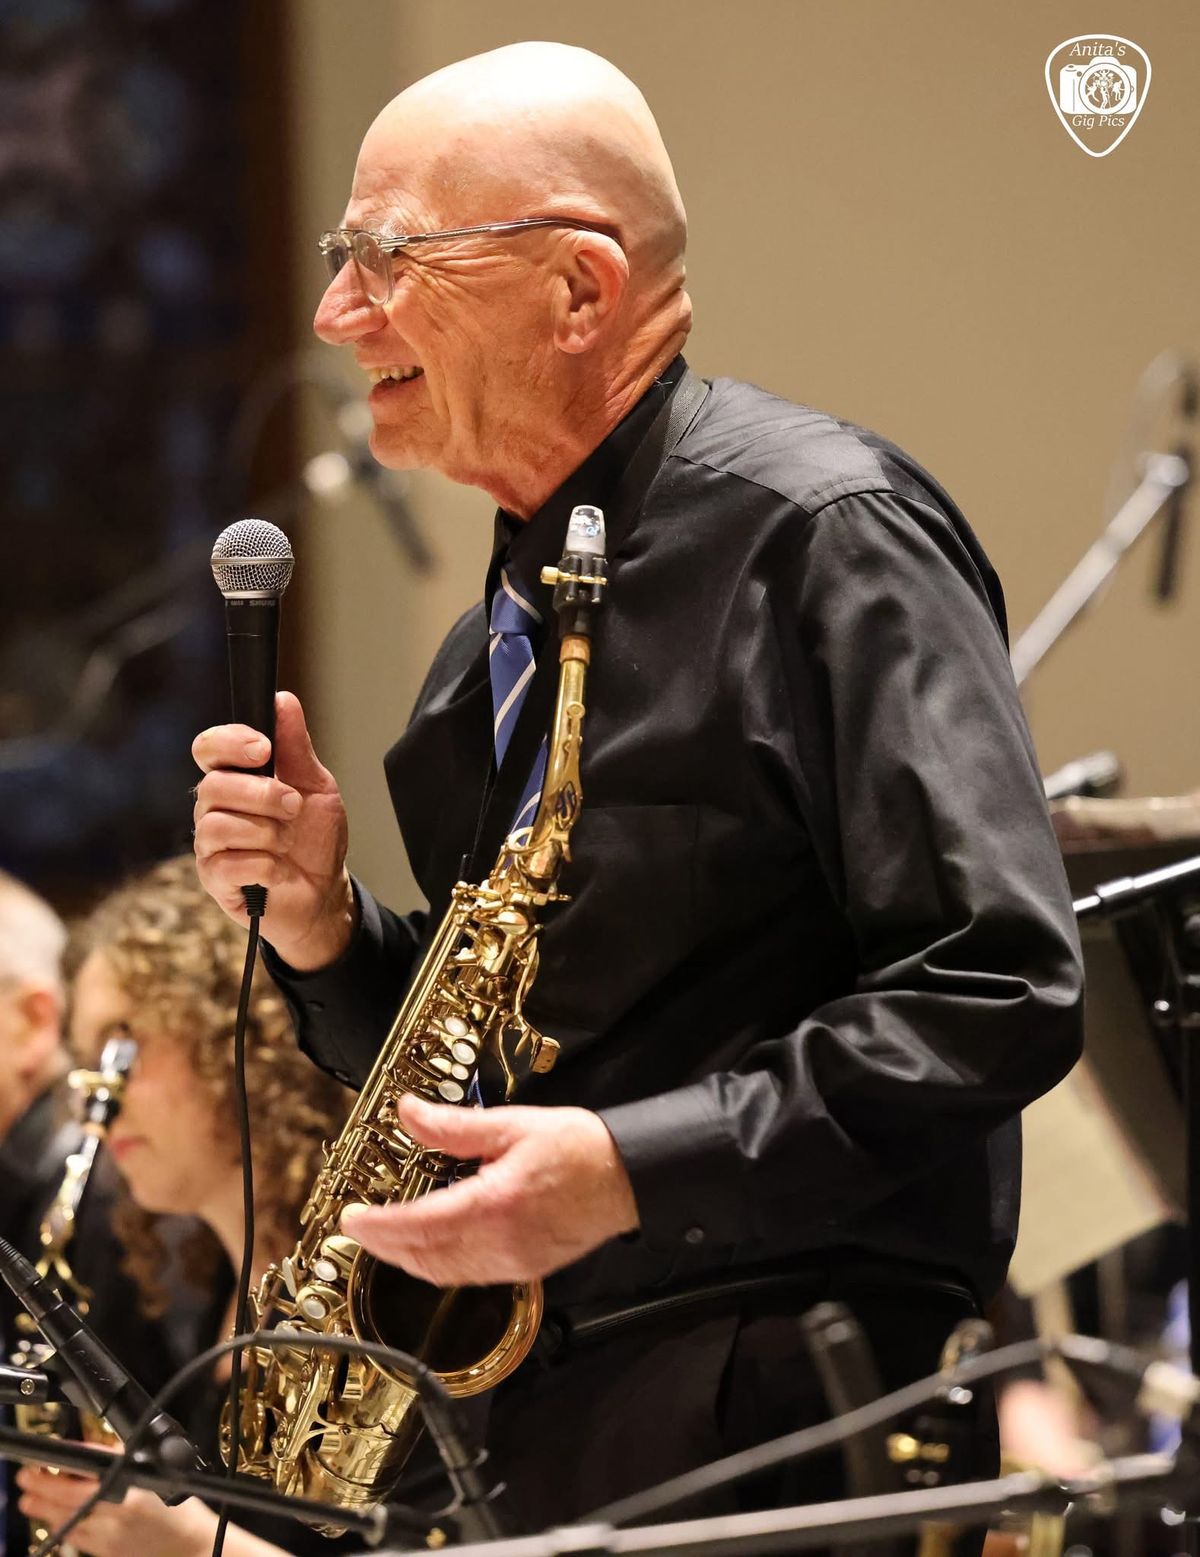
(832, 1273)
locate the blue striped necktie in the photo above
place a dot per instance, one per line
(510, 666)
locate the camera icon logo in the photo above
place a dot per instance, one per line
(1105, 86)
(1098, 84)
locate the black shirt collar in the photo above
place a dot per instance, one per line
(525, 547)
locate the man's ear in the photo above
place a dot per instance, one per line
(590, 290)
(39, 1029)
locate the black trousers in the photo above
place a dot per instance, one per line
(601, 1419)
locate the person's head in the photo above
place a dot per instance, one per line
(529, 344)
(159, 958)
(32, 939)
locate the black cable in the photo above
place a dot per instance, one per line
(811, 1440)
(242, 1302)
(793, 1446)
(349, 1346)
(790, 1448)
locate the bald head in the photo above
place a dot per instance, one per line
(504, 357)
(537, 129)
(32, 936)
(31, 997)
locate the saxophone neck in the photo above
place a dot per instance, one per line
(548, 843)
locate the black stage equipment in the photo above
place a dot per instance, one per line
(1174, 892)
(97, 1381)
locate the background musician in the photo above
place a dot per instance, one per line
(158, 958)
(37, 1134)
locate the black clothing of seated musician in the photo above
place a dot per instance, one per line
(819, 950)
(38, 1132)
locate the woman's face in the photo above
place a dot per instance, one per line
(170, 1145)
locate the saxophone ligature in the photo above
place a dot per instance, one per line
(338, 1429)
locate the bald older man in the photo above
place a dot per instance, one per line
(819, 950)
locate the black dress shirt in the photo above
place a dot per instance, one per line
(820, 949)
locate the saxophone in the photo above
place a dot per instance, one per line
(340, 1429)
(97, 1099)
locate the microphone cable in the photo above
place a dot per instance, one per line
(255, 899)
(1169, 1384)
(424, 1377)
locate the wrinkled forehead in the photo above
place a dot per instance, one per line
(392, 188)
(419, 170)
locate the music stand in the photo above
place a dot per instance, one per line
(1106, 1150)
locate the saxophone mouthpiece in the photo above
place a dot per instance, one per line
(580, 578)
(585, 531)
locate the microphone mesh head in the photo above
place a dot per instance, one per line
(252, 557)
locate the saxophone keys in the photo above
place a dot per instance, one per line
(463, 1052)
(450, 1091)
(545, 1052)
(354, 1383)
(316, 1302)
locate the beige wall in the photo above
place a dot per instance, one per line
(888, 222)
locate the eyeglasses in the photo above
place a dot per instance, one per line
(372, 251)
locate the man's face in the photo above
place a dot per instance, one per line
(471, 315)
(29, 1039)
(12, 1030)
(169, 1143)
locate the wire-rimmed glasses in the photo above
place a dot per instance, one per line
(372, 251)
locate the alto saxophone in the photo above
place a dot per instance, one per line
(340, 1429)
(97, 1096)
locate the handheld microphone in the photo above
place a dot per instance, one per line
(98, 1382)
(252, 565)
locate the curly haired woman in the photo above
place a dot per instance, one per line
(159, 958)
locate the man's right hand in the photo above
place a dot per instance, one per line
(287, 833)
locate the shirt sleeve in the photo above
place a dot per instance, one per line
(911, 766)
(342, 1012)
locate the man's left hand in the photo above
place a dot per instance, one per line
(551, 1188)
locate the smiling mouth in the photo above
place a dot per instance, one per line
(394, 375)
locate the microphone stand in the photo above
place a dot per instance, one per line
(1142, 1479)
(1163, 482)
(26, 1386)
(385, 1522)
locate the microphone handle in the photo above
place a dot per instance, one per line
(252, 632)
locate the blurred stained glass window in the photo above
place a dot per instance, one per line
(124, 335)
